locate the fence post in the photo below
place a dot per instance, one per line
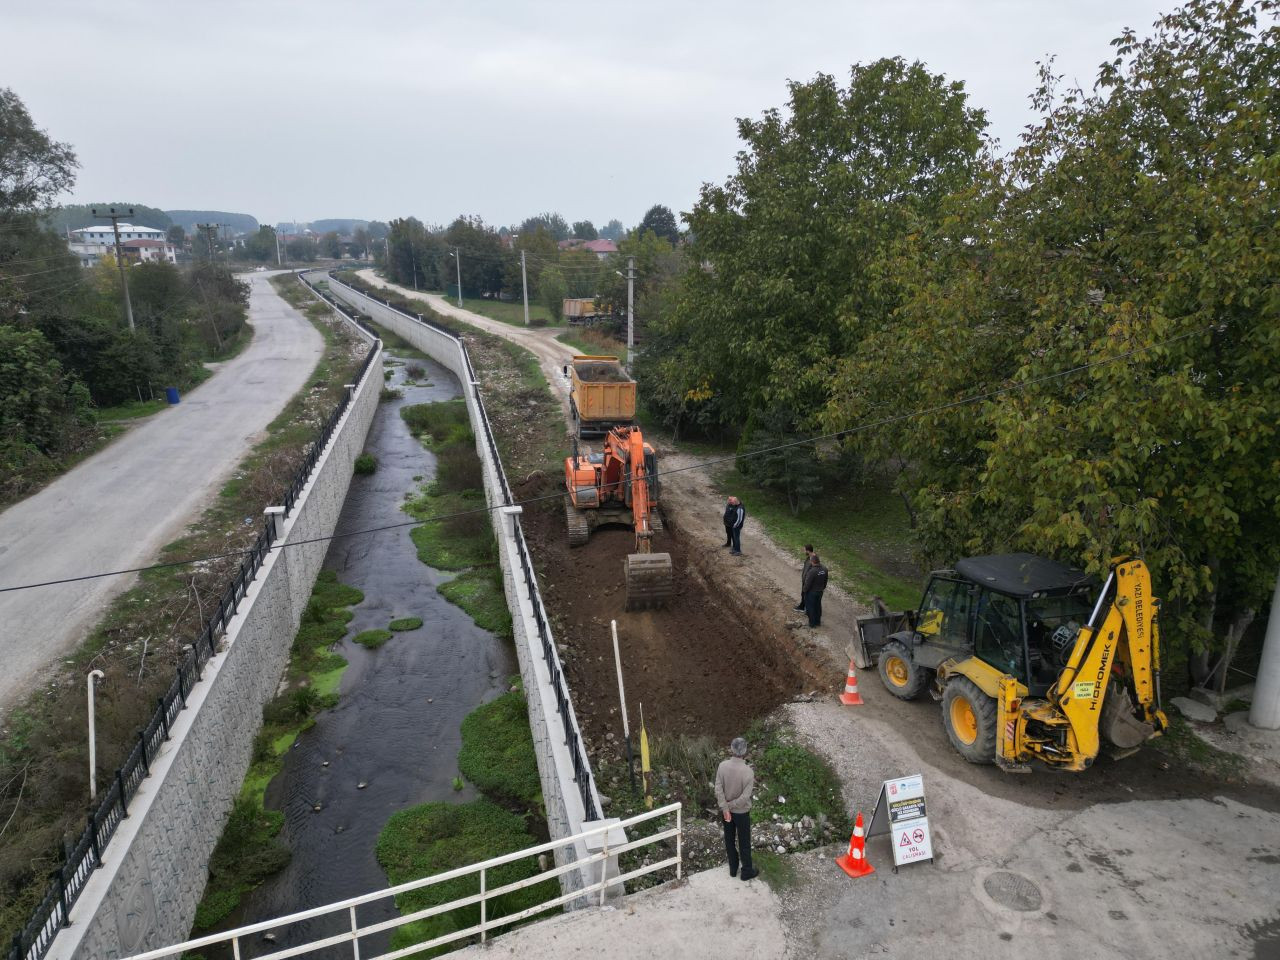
(62, 896)
(483, 907)
(275, 516)
(93, 840)
(124, 804)
(142, 742)
(164, 712)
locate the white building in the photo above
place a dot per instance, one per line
(141, 244)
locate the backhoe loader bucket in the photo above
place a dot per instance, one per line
(649, 580)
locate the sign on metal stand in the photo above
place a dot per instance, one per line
(900, 812)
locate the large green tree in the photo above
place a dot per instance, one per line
(786, 267)
(1135, 224)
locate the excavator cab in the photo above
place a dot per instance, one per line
(1031, 658)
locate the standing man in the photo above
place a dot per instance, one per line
(804, 571)
(735, 515)
(734, 783)
(815, 581)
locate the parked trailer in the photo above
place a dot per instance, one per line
(582, 310)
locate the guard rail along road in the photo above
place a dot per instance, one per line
(133, 879)
(568, 787)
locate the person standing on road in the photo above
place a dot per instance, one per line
(735, 515)
(804, 571)
(815, 581)
(734, 783)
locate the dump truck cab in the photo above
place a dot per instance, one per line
(1010, 644)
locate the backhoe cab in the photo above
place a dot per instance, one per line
(1032, 660)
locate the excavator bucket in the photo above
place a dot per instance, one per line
(649, 580)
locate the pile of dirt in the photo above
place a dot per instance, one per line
(706, 665)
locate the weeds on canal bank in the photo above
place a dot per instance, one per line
(464, 542)
(248, 851)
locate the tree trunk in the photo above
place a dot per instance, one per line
(1199, 664)
(1239, 624)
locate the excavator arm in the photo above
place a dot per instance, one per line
(1115, 655)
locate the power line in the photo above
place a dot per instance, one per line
(701, 465)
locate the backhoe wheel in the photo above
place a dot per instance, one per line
(576, 521)
(901, 675)
(970, 718)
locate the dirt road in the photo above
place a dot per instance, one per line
(116, 509)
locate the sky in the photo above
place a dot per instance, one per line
(391, 108)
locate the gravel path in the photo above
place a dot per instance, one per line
(116, 509)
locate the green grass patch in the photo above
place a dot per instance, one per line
(395, 344)
(480, 593)
(372, 639)
(365, 464)
(1184, 748)
(863, 535)
(804, 781)
(456, 543)
(777, 870)
(505, 311)
(439, 424)
(130, 411)
(437, 837)
(497, 753)
(593, 343)
(404, 623)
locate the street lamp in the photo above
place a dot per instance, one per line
(93, 745)
(457, 256)
(524, 280)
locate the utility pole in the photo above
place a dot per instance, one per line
(209, 230)
(631, 299)
(114, 217)
(1265, 711)
(458, 259)
(524, 283)
(279, 259)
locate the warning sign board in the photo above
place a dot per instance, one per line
(900, 812)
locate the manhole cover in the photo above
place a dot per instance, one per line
(1014, 891)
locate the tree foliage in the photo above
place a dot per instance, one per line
(613, 230)
(585, 230)
(33, 167)
(662, 222)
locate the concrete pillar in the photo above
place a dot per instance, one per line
(1265, 712)
(277, 522)
(512, 515)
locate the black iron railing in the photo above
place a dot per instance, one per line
(66, 884)
(582, 774)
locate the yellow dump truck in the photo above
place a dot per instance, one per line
(601, 395)
(581, 310)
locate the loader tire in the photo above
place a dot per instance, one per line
(577, 523)
(899, 673)
(970, 718)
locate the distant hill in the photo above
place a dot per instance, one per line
(73, 216)
(341, 226)
(237, 222)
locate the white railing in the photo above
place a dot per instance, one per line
(597, 836)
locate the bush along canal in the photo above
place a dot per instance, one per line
(384, 736)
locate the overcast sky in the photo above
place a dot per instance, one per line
(388, 108)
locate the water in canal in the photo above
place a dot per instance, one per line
(392, 741)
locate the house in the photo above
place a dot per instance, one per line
(601, 248)
(91, 243)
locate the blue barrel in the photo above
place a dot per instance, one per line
(171, 393)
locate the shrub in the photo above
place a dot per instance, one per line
(497, 752)
(365, 464)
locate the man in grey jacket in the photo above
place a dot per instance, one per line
(734, 783)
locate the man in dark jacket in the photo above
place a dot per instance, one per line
(804, 571)
(735, 515)
(815, 581)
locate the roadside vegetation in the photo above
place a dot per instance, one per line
(43, 753)
(248, 851)
(593, 342)
(497, 756)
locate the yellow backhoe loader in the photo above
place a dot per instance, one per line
(1031, 660)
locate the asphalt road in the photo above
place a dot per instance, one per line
(119, 507)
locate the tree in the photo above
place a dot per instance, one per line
(585, 230)
(178, 236)
(581, 270)
(331, 246)
(260, 246)
(483, 257)
(360, 241)
(1133, 224)
(553, 291)
(301, 248)
(33, 168)
(553, 223)
(786, 264)
(662, 222)
(612, 230)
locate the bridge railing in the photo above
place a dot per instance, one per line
(346, 927)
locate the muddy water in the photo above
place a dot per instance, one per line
(392, 741)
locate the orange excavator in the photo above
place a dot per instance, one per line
(619, 485)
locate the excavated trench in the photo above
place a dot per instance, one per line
(392, 740)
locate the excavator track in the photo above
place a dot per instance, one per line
(577, 523)
(649, 580)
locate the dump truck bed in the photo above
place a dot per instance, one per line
(602, 393)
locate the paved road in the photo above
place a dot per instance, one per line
(116, 509)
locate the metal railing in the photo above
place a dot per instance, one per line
(68, 881)
(582, 774)
(345, 912)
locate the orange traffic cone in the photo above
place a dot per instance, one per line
(850, 697)
(854, 863)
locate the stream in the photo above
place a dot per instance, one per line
(392, 740)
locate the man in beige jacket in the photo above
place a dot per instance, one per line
(734, 783)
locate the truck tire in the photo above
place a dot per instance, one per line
(970, 718)
(899, 673)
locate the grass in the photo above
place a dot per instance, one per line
(404, 623)
(130, 411)
(479, 591)
(435, 837)
(863, 535)
(372, 639)
(593, 343)
(395, 344)
(776, 869)
(248, 851)
(497, 753)
(365, 464)
(507, 312)
(1184, 748)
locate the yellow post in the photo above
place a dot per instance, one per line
(646, 774)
